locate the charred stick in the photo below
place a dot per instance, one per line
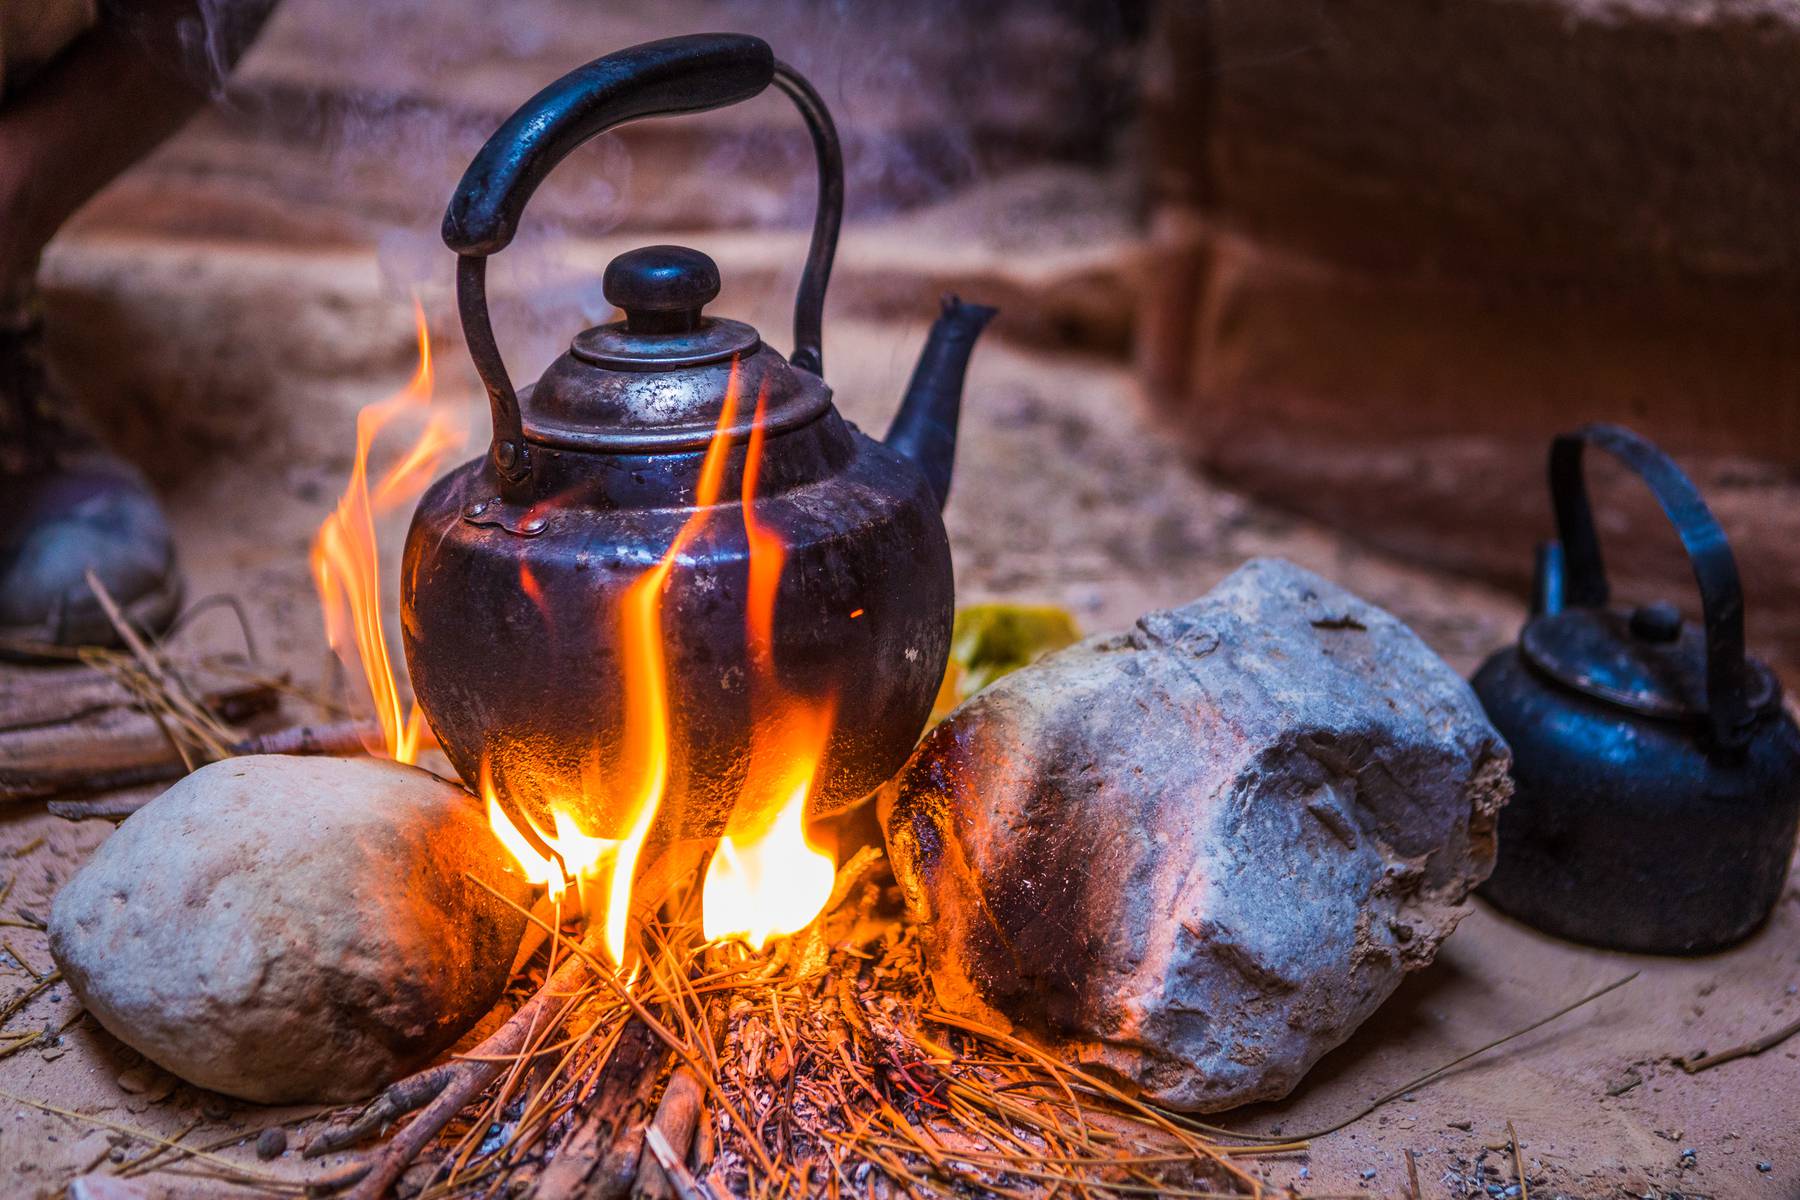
(159, 763)
(682, 1184)
(677, 1116)
(451, 1086)
(65, 699)
(341, 737)
(107, 806)
(599, 1156)
(396, 1100)
(40, 785)
(115, 740)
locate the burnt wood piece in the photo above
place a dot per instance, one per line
(677, 1117)
(40, 698)
(82, 730)
(152, 760)
(599, 1157)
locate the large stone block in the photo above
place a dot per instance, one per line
(1198, 854)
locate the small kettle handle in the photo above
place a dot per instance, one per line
(661, 78)
(1715, 569)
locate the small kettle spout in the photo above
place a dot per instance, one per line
(924, 429)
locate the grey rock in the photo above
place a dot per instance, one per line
(1195, 856)
(291, 930)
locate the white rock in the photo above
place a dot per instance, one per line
(288, 929)
(1197, 855)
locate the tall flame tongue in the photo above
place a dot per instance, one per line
(766, 878)
(643, 772)
(646, 759)
(345, 561)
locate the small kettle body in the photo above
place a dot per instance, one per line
(1657, 773)
(517, 563)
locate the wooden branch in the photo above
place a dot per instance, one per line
(599, 1157)
(43, 697)
(395, 1101)
(148, 758)
(455, 1084)
(682, 1184)
(113, 805)
(340, 737)
(677, 1116)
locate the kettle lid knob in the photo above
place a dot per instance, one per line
(661, 288)
(1657, 622)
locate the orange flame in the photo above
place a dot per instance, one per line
(345, 554)
(644, 766)
(767, 878)
(574, 854)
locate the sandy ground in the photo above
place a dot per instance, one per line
(1065, 492)
(230, 361)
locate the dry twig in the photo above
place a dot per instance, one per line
(677, 1116)
(1518, 1160)
(1768, 1041)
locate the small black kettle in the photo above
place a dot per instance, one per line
(1657, 775)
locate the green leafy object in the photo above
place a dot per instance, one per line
(992, 640)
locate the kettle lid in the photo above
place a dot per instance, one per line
(662, 290)
(1648, 660)
(657, 379)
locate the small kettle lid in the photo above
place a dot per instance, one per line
(662, 291)
(658, 378)
(1647, 660)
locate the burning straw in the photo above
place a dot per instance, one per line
(820, 1068)
(688, 1058)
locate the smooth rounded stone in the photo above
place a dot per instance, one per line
(1195, 856)
(289, 930)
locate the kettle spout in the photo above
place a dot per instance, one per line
(924, 429)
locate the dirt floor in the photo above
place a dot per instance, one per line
(229, 357)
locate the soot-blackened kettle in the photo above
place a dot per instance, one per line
(1657, 773)
(517, 562)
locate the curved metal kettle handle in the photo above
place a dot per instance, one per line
(1715, 569)
(661, 78)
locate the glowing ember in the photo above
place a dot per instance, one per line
(345, 563)
(767, 879)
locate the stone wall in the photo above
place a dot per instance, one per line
(1400, 245)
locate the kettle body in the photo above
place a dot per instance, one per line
(1656, 773)
(513, 642)
(653, 444)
